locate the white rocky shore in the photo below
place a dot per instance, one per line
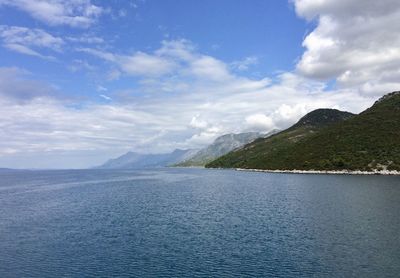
(341, 172)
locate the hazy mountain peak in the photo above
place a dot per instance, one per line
(222, 145)
(132, 160)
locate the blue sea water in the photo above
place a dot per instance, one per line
(197, 223)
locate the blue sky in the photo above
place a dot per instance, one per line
(229, 32)
(88, 80)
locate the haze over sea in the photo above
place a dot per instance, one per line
(197, 223)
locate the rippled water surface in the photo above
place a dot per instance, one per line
(197, 223)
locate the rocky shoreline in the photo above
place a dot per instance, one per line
(339, 172)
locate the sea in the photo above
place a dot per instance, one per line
(176, 222)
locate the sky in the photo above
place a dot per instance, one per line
(82, 81)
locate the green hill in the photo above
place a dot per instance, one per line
(368, 141)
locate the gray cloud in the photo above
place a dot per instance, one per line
(356, 42)
(16, 84)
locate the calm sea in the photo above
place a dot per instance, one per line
(197, 223)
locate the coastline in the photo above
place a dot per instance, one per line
(329, 172)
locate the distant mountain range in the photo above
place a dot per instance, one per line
(185, 158)
(328, 139)
(132, 160)
(222, 145)
(324, 139)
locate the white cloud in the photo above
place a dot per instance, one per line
(245, 63)
(144, 64)
(208, 99)
(78, 65)
(45, 126)
(86, 39)
(24, 40)
(100, 88)
(191, 103)
(140, 63)
(98, 53)
(210, 68)
(182, 97)
(204, 137)
(260, 122)
(176, 57)
(105, 97)
(77, 13)
(356, 42)
(114, 74)
(25, 50)
(182, 50)
(196, 122)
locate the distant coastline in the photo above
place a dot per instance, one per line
(330, 172)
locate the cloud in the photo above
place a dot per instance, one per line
(88, 39)
(260, 122)
(80, 65)
(105, 97)
(47, 127)
(181, 49)
(176, 96)
(209, 99)
(343, 8)
(25, 50)
(17, 85)
(24, 40)
(198, 123)
(98, 53)
(176, 57)
(186, 105)
(77, 13)
(34, 121)
(209, 68)
(204, 137)
(144, 64)
(356, 43)
(137, 64)
(245, 63)
(100, 88)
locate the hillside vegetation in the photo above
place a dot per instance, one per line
(328, 139)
